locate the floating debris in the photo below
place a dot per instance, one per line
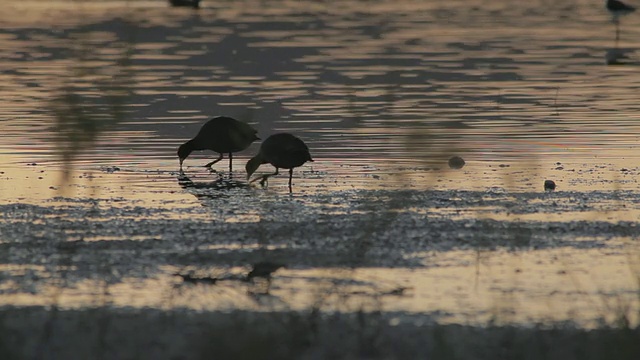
(549, 185)
(109, 169)
(188, 278)
(456, 162)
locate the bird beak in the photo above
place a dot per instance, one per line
(181, 160)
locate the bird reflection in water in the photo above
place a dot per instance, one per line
(262, 270)
(223, 186)
(617, 55)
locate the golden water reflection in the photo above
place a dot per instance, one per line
(132, 185)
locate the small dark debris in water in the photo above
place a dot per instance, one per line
(560, 168)
(549, 185)
(377, 177)
(396, 292)
(264, 269)
(558, 163)
(40, 177)
(504, 165)
(188, 278)
(456, 162)
(53, 188)
(110, 169)
(624, 169)
(32, 164)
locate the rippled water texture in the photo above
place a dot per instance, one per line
(95, 98)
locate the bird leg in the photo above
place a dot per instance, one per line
(230, 162)
(214, 161)
(265, 177)
(290, 176)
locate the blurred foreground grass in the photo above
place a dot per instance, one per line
(105, 333)
(92, 96)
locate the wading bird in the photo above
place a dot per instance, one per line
(617, 9)
(190, 3)
(221, 134)
(282, 151)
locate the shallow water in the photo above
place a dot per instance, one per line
(383, 93)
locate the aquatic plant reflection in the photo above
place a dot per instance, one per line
(91, 98)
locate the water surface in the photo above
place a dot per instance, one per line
(96, 97)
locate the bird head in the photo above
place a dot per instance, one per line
(183, 152)
(252, 165)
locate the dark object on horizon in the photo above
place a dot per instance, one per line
(185, 3)
(549, 185)
(264, 269)
(221, 134)
(456, 162)
(282, 151)
(618, 8)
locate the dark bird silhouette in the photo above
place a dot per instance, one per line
(185, 3)
(282, 151)
(221, 134)
(617, 9)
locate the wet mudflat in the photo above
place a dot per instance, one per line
(382, 250)
(409, 271)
